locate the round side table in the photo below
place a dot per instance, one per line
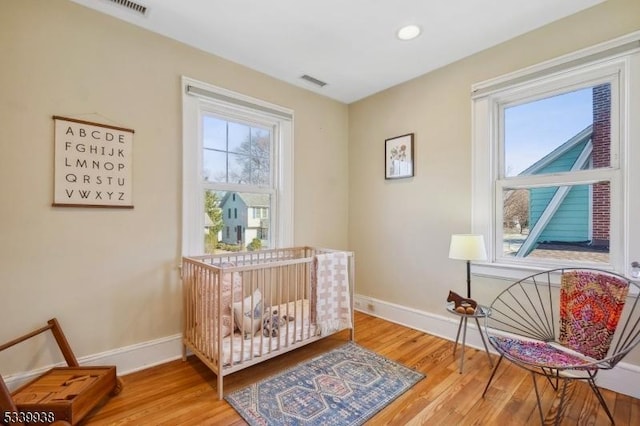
(481, 312)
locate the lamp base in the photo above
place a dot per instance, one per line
(468, 278)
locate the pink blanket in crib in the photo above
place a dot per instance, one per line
(330, 292)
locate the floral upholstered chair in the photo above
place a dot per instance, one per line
(565, 324)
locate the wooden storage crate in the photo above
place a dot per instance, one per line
(68, 393)
(63, 395)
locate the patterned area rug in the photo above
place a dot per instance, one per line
(345, 386)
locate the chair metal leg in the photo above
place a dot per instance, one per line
(552, 377)
(493, 373)
(595, 390)
(562, 404)
(484, 342)
(562, 392)
(535, 387)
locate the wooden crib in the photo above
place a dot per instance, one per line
(241, 309)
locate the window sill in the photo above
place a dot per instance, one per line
(512, 272)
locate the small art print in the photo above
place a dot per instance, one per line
(398, 160)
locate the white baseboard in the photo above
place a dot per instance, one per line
(624, 378)
(128, 359)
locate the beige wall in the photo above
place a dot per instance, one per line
(400, 230)
(110, 275)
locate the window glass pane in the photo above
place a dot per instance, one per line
(243, 228)
(239, 171)
(214, 133)
(557, 222)
(569, 131)
(260, 155)
(214, 164)
(239, 136)
(252, 163)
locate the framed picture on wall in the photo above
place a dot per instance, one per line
(92, 164)
(398, 157)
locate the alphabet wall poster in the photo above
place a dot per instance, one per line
(92, 164)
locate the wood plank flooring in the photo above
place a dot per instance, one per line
(184, 393)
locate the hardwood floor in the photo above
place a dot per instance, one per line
(184, 393)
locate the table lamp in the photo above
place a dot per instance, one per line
(467, 247)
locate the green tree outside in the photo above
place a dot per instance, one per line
(214, 212)
(254, 245)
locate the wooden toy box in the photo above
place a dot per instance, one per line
(66, 393)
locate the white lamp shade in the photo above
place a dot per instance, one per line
(467, 247)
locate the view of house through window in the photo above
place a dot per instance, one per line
(232, 223)
(558, 136)
(236, 155)
(555, 222)
(237, 171)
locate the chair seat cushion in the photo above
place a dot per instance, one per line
(538, 353)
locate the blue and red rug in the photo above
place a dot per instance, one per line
(345, 386)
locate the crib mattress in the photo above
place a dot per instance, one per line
(238, 348)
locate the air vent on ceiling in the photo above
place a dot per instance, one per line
(136, 7)
(313, 80)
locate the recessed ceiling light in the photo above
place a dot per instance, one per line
(408, 32)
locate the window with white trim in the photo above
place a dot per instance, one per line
(551, 162)
(237, 157)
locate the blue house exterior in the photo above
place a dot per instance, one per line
(245, 216)
(561, 214)
(570, 222)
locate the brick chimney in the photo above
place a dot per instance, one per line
(601, 155)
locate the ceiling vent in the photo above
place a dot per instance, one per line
(133, 6)
(313, 80)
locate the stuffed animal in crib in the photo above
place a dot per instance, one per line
(271, 323)
(461, 304)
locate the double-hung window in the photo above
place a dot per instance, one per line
(237, 159)
(553, 162)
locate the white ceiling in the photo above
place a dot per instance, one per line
(349, 44)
